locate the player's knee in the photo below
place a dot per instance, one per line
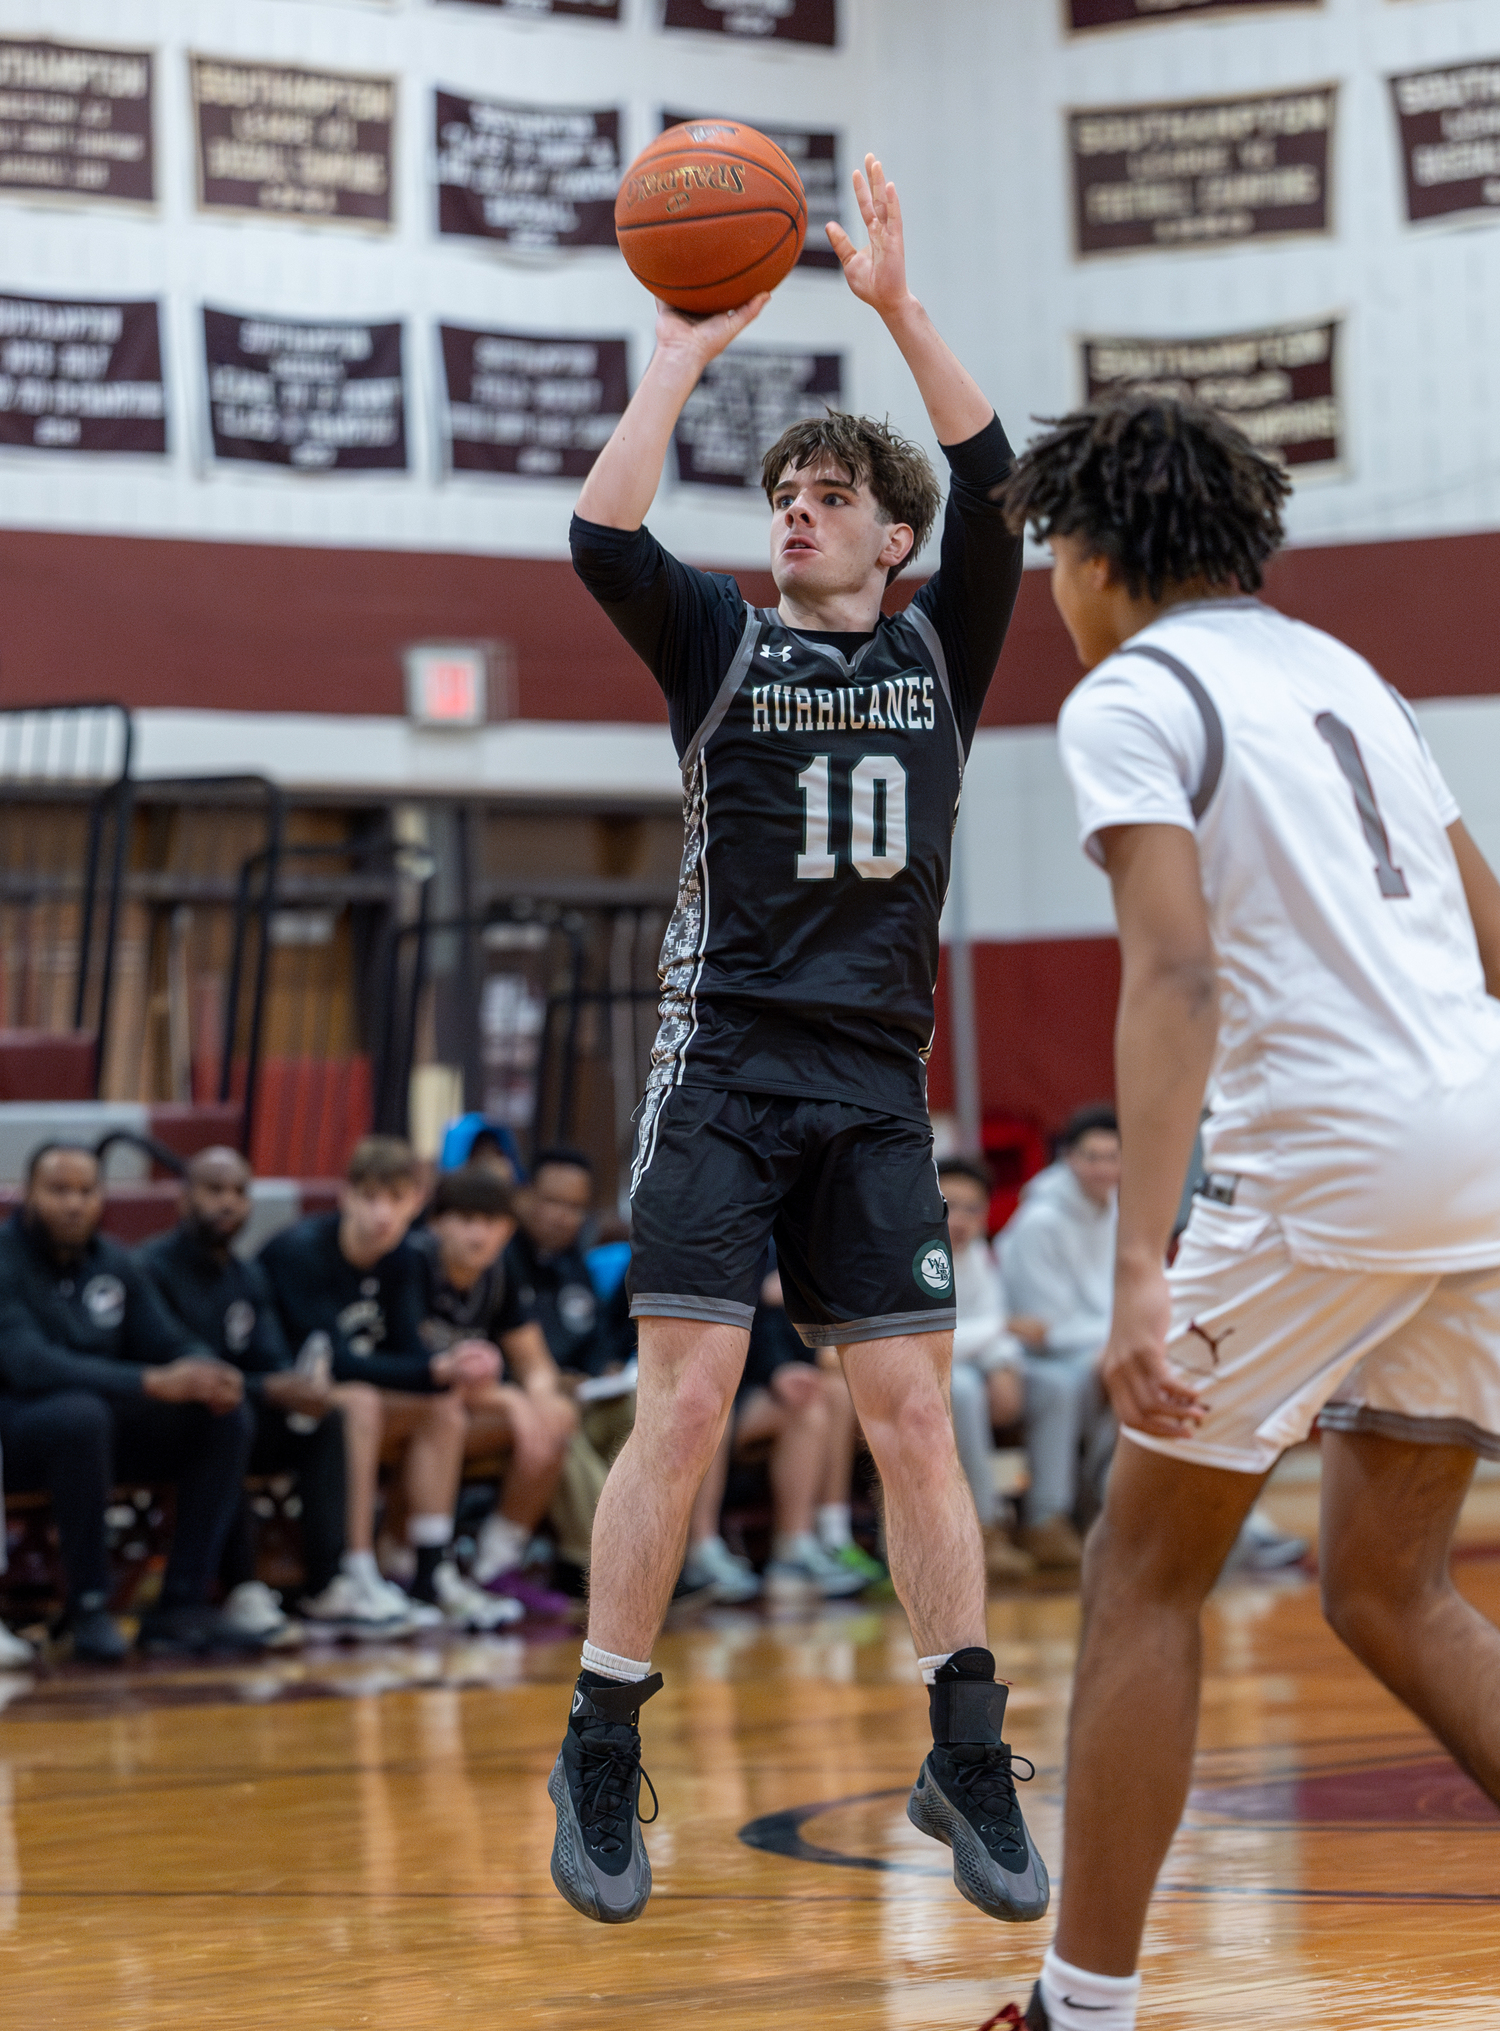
(360, 1404)
(688, 1425)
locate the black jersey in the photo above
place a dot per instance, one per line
(821, 778)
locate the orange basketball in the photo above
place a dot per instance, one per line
(710, 214)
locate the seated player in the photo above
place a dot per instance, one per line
(782, 1409)
(823, 744)
(589, 1338)
(989, 1385)
(299, 1417)
(352, 1276)
(99, 1383)
(1057, 1258)
(470, 1301)
(1307, 928)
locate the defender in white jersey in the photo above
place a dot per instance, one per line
(1310, 942)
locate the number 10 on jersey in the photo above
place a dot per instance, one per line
(877, 819)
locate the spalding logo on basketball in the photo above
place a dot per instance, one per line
(710, 214)
(932, 1269)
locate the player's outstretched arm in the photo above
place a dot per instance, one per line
(623, 481)
(957, 405)
(1164, 1044)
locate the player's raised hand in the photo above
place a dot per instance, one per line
(876, 272)
(703, 338)
(1145, 1390)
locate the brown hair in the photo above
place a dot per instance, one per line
(898, 473)
(471, 1190)
(382, 1160)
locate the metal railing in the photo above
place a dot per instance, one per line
(59, 900)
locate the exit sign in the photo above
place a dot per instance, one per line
(447, 684)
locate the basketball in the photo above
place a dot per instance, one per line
(710, 214)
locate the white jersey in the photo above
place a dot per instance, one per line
(1357, 1076)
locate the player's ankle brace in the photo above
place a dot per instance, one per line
(964, 1701)
(614, 1700)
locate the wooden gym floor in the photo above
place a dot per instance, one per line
(362, 1840)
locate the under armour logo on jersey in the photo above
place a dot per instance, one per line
(784, 654)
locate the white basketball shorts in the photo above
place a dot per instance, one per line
(1275, 1346)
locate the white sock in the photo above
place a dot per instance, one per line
(833, 1526)
(359, 1565)
(1078, 2001)
(790, 1547)
(629, 1670)
(502, 1544)
(425, 1533)
(930, 1667)
(704, 1543)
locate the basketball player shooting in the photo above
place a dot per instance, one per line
(1307, 928)
(822, 748)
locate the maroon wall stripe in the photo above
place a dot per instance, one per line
(1045, 1016)
(283, 628)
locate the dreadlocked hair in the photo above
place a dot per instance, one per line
(1169, 491)
(898, 472)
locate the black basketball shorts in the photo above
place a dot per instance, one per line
(849, 1195)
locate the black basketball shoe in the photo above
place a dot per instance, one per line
(599, 1859)
(965, 1794)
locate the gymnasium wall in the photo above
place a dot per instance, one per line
(198, 588)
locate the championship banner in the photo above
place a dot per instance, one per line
(528, 176)
(1278, 385)
(1086, 14)
(539, 10)
(534, 406)
(323, 397)
(279, 141)
(1201, 173)
(1450, 139)
(785, 20)
(817, 161)
(741, 406)
(75, 122)
(81, 376)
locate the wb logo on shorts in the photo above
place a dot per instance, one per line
(932, 1268)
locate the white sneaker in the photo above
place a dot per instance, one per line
(254, 1610)
(812, 1572)
(355, 1606)
(15, 1652)
(714, 1567)
(465, 1606)
(422, 1614)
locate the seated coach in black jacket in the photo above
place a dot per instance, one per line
(228, 1304)
(99, 1383)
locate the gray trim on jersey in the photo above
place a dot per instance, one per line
(1416, 1431)
(734, 677)
(708, 1311)
(893, 1326)
(773, 618)
(1213, 726)
(927, 634)
(1406, 712)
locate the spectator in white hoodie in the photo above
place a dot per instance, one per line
(1057, 1255)
(988, 1384)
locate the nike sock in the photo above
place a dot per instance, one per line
(502, 1545)
(359, 1565)
(605, 1664)
(833, 1526)
(1076, 2000)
